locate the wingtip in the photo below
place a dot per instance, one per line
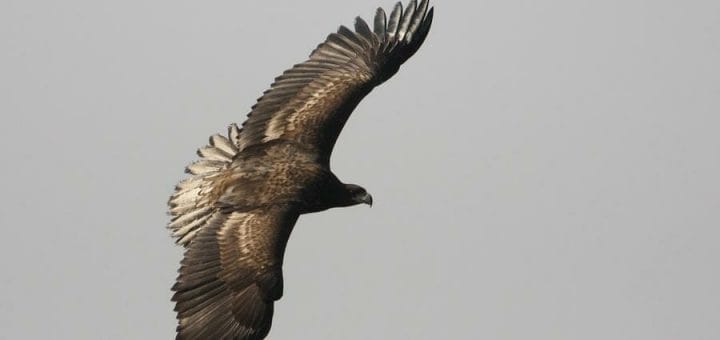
(380, 22)
(362, 28)
(394, 21)
(429, 16)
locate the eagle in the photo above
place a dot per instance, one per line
(235, 211)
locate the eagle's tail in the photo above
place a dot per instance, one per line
(190, 205)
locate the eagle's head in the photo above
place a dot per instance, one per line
(336, 196)
(357, 195)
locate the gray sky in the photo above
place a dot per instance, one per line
(541, 170)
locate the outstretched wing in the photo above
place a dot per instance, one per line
(231, 272)
(311, 102)
(231, 275)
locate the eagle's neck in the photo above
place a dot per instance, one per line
(330, 193)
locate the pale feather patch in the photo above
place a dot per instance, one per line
(185, 197)
(190, 205)
(286, 121)
(223, 144)
(234, 135)
(204, 166)
(214, 154)
(275, 128)
(243, 226)
(192, 226)
(183, 219)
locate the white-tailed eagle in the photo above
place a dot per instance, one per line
(235, 211)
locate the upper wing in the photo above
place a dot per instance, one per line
(311, 102)
(231, 274)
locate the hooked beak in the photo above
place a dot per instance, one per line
(367, 199)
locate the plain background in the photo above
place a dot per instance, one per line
(540, 169)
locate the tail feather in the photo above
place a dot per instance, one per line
(191, 204)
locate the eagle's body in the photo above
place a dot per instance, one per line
(234, 214)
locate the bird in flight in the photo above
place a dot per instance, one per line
(234, 213)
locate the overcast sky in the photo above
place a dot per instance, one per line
(540, 169)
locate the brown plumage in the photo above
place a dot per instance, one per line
(235, 211)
